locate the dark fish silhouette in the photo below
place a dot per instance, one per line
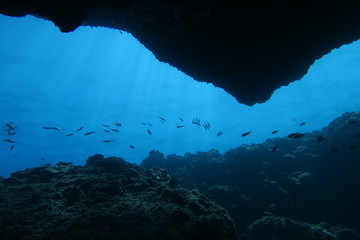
(105, 125)
(11, 147)
(131, 146)
(180, 126)
(151, 151)
(117, 124)
(11, 133)
(51, 128)
(10, 126)
(296, 135)
(302, 124)
(196, 121)
(245, 134)
(181, 119)
(335, 149)
(89, 133)
(114, 130)
(353, 146)
(162, 119)
(149, 131)
(299, 135)
(150, 125)
(143, 123)
(273, 132)
(320, 138)
(219, 134)
(106, 130)
(353, 121)
(274, 148)
(78, 130)
(9, 141)
(206, 125)
(43, 159)
(108, 141)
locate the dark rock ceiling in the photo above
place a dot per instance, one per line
(249, 50)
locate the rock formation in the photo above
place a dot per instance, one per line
(304, 178)
(249, 49)
(108, 198)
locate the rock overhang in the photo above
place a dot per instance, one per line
(249, 50)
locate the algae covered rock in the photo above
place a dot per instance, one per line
(108, 198)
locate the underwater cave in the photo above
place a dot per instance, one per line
(289, 160)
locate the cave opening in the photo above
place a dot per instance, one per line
(97, 77)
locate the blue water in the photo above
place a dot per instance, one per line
(97, 76)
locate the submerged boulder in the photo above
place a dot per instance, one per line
(107, 199)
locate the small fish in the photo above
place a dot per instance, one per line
(196, 121)
(105, 125)
(274, 148)
(11, 147)
(245, 134)
(11, 133)
(219, 134)
(335, 149)
(353, 121)
(89, 133)
(131, 146)
(117, 124)
(320, 138)
(9, 141)
(181, 119)
(108, 141)
(296, 135)
(43, 159)
(143, 123)
(302, 124)
(206, 125)
(151, 151)
(299, 135)
(353, 146)
(149, 131)
(10, 126)
(51, 128)
(106, 130)
(162, 119)
(150, 124)
(275, 131)
(78, 130)
(180, 126)
(114, 130)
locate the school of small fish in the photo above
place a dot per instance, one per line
(10, 128)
